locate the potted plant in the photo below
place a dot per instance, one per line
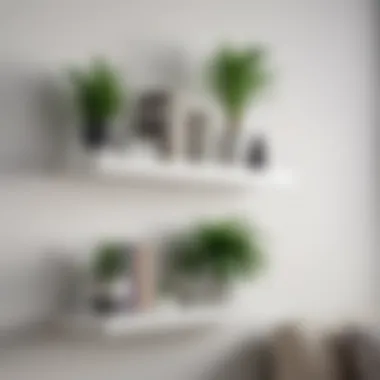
(99, 97)
(236, 77)
(110, 266)
(211, 256)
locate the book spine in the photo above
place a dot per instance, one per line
(144, 270)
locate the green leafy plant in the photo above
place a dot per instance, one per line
(98, 90)
(110, 261)
(237, 77)
(226, 249)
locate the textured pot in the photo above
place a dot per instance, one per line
(202, 289)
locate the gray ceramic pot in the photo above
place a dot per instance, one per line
(202, 289)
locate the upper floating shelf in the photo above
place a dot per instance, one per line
(185, 174)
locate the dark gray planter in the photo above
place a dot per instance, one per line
(95, 134)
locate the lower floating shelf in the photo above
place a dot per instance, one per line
(156, 321)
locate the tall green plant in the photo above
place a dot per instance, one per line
(237, 77)
(98, 90)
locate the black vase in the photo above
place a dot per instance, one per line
(95, 134)
(258, 153)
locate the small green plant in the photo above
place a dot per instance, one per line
(110, 261)
(227, 249)
(98, 90)
(237, 77)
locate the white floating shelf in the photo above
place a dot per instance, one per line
(157, 321)
(185, 174)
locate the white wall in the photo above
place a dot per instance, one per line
(320, 118)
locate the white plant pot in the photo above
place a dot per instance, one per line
(113, 295)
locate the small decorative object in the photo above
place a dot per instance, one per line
(154, 120)
(210, 256)
(99, 98)
(257, 156)
(236, 77)
(196, 134)
(112, 280)
(193, 127)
